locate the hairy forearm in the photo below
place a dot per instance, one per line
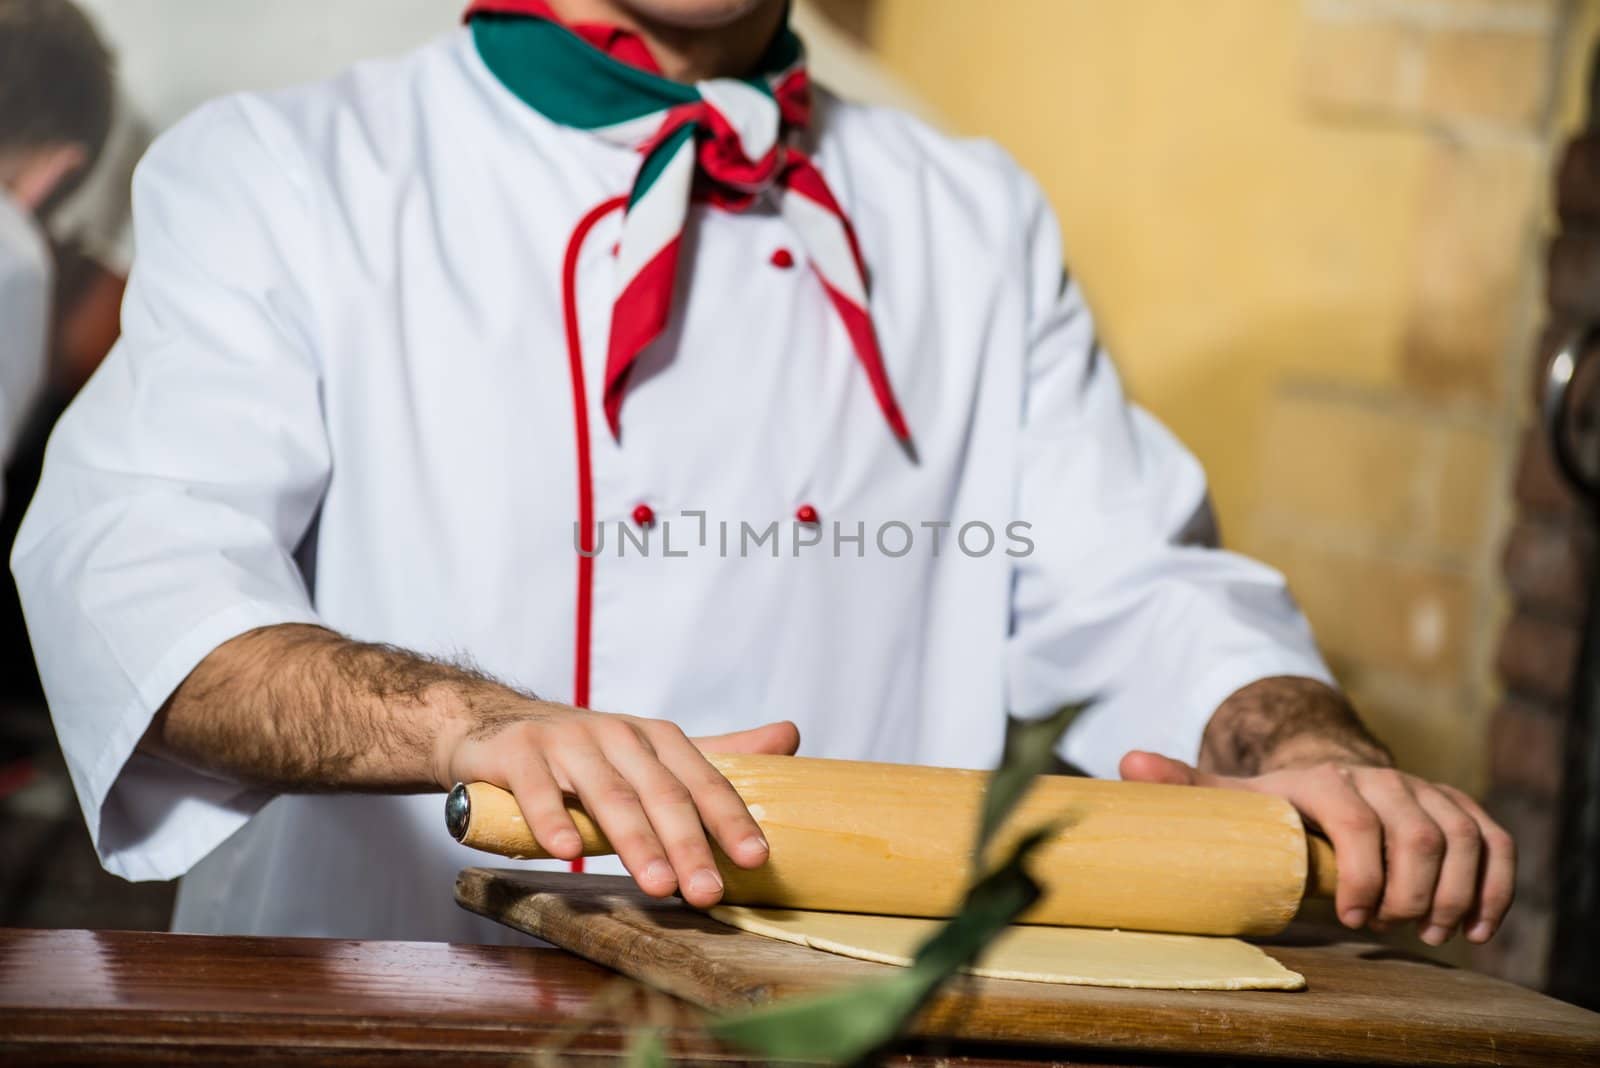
(1286, 722)
(300, 708)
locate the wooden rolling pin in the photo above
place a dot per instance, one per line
(849, 836)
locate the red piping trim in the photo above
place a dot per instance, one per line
(580, 428)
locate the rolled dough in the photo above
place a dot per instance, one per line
(1073, 955)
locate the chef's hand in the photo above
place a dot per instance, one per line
(1408, 850)
(645, 783)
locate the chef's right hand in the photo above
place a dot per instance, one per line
(645, 783)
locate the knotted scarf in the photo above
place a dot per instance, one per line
(731, 140)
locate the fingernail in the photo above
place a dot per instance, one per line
(1480, 931)
(1434, 934)
(567, 841)
(659, 871)
(1354, 918)
(754, 844)
(705, 881)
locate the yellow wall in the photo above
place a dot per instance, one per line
(1223, 238)
(1581, 35)
(1311, 231)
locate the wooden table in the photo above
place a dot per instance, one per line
(86, 997)
(1364, 1004)
(118, 997)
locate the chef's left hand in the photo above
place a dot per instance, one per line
(1408, 850)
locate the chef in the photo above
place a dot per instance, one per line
(25, 283)
(48, 142)
(591, 358)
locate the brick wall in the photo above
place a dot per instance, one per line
(1390, 505)
(1549, 562)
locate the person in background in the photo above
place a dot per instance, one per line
(396, 341)
(56, 97)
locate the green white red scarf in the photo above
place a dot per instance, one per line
(736, 136)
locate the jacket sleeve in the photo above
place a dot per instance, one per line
(1122, 599)
(179, 483)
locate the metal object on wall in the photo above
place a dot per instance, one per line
(1556, 409)
(1574, 962)
(1570, 416)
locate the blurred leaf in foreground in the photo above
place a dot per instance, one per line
(1029, 752)
(845, 1026)
(646, 1051)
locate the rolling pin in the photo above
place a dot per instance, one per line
(850, 836)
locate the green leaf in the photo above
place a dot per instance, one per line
(646, 1051)
(992, 905)
(1030, 748)
(838, 1027)
(845, 1026)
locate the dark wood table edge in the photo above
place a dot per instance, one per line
(32, 1030)
(1481, 1047)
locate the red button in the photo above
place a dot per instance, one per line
(644, 515)
(806, 514)
(616, 248)
(783, 259)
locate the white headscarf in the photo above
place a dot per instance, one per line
(26, 278)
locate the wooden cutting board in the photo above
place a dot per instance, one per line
(1365, 1002)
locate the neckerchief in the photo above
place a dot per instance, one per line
(737, 136)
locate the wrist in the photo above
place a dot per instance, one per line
(1286, 722)
(1306, 751)
(459, 712)
(474, 708)
(450, 730)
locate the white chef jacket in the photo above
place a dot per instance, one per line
(27, 274)
(343, 396)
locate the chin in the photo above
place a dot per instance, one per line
(696, 14)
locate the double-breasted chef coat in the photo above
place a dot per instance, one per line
(345, 395)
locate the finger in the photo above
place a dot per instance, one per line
(1413, 845)
(1327, 797)
(544, 807)
(670, 808)
(780, 739)
(1457, 888)
(1140, 766)
(721, 808)
(582, 769)
(1497, 872)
